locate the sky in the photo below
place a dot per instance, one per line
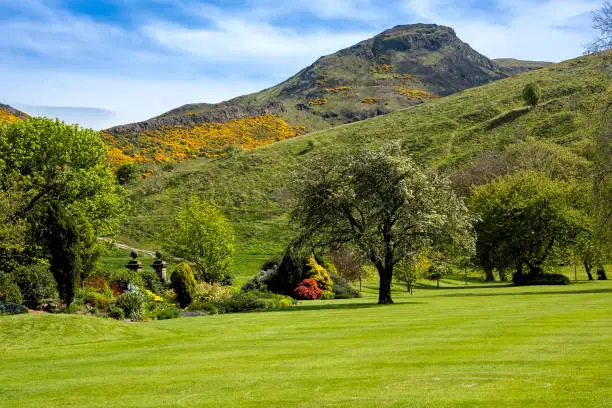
(107, 62)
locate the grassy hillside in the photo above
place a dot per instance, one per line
(440, 348)
(513, 66)
(251, 186)
(403, 66)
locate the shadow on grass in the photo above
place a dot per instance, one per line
(341, 306)
(432, 286)
(560, 292)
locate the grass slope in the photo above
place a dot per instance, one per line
(501, 347)
(513, 66)
(251, 187)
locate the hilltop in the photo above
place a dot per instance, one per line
(10, 114)
(401, 67)
(251, 187)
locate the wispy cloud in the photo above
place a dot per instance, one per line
(551, 30)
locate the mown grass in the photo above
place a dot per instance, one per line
(251, 187)
(487, 347)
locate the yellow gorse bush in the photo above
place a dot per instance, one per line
(416, 93)
(320, 101)
(371, 101)
(338, 89)
(209, 140)
(8, 116)
(384, 69)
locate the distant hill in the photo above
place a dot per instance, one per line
(401, 67)
(251, 187)
(10, 114)
(513, 66)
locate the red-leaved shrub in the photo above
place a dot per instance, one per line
(308, 289)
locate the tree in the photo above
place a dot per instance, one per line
(127, 173)
(47, 160)
(532, 94)
(602, 23)
(349, 265)
(202, 235)
(382, 203)
(595, 244)
(184, 284)
(523, 218)
(63, 244)
(44, 161)
(12, 231)
(412, 269)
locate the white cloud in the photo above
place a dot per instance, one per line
(552, 30)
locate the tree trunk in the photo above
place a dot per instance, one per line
(384, 291)
(502, 275)
(489, 274)
(587, 268)
(360, 283)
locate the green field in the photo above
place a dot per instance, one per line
(476, 346)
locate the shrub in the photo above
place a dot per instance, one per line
(12, 308)
(213, 293)
(133, 304)
(275, 261)
(203, 307)
(166, 312)
(315, 271)
(522, 279)
(128, 173)
(115, 312)
(260, 281)
(184, 284)
(151, 281)
(9, 291)
(288, 275)
(124, 278)
(102, 303)
(242, 302)
(532, 94)
(36, 283)
(343, 289)
(285, 302)
(308, 289)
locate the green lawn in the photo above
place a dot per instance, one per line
(480, 346)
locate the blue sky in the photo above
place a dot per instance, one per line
(119, 61)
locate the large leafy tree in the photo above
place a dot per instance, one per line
(45, 161)
(523, 219)
(202, 235)
(382, 203)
